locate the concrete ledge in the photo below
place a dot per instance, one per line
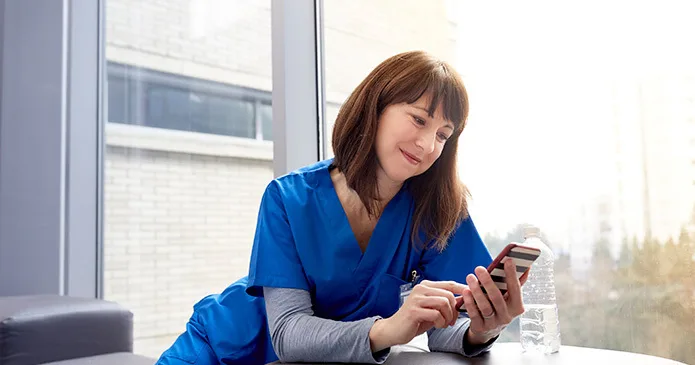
(158, 139)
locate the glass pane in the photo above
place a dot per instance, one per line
(118, 100)
(581, 123)
(266, 111)
(170, 108)
(231, 117)
(182, 187)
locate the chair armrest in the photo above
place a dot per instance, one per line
(38, 329)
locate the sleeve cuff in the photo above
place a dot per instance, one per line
(378, 357)
(381, 356)
(255, 284)
(475, 350)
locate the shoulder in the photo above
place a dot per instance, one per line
(464, 239)
(465, 234)
(463, 253)
(298, 183)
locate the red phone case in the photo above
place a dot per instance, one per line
(523, 256)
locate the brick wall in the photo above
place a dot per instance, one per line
(179, 223)
(178, 226)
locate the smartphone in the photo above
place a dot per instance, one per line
(523, 256)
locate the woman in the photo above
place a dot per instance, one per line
(340, 244)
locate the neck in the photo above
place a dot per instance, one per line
(387, 187)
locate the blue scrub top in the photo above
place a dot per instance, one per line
(304, 240)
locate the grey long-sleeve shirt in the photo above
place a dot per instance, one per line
(299, 336)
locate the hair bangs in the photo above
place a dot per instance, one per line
(437, 83)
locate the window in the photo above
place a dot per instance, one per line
(119, 103)
(183, 103)
(265, 113)
(188, 154)
(551, 100)
(561, 94)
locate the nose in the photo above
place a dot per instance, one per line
(426, 141)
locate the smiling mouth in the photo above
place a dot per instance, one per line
(410, 158)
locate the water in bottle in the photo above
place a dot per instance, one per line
(540, 327)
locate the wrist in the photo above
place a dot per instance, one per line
(379, 335)
(478, 339)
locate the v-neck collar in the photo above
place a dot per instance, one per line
(385, 236)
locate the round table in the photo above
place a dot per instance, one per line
(510, 353)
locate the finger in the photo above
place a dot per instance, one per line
(472, 309)
(513, 288)
(434, 291)
(494, 295)
(430, 315)
(484, 305)
(459, 302)
(440, 304)
(451, 286)
(524, 277)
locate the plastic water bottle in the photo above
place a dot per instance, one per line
(540, 327)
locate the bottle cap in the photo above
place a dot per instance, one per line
(531, 231)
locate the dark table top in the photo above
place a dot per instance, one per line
(510, 353)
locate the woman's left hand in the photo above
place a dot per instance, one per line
(491, 313)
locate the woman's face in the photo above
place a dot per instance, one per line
(408, 141)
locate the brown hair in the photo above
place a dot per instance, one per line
(440, 197)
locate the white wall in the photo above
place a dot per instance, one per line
(178, 225)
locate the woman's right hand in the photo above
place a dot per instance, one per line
(430, 304)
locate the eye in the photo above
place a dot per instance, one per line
(419, 120)
(442, 136)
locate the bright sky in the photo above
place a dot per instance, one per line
(538, 75)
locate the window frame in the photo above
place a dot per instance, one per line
(56, 45)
